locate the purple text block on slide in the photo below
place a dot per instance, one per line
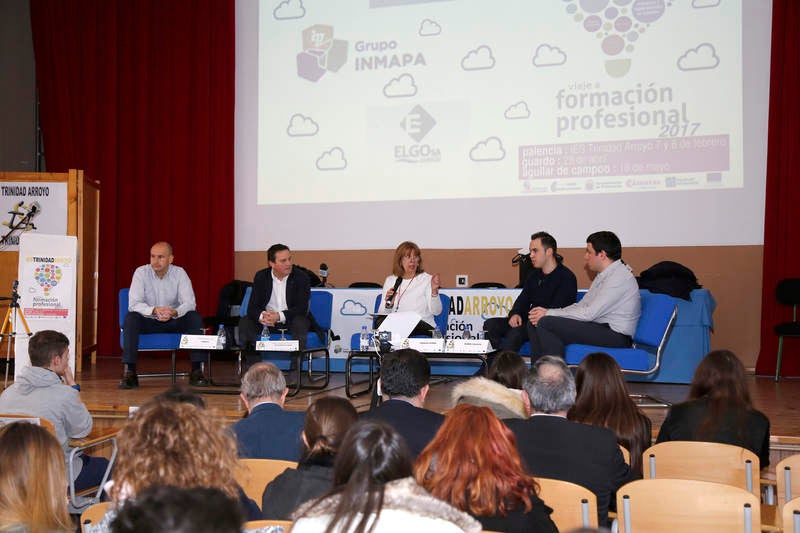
(706, 153)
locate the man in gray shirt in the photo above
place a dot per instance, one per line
(161, 300)
(606, 316)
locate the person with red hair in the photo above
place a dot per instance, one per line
(473, 464)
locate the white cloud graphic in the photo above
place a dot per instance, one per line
(333, 159)
(704, 3)
(400, 86)
(480, 58)
(428, 28)
(352, 308)
(301, 126)
(701, 58)
(518, 110)
(549, 56)
(489, 150)
(289, 9)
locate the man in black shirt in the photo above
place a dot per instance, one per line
(550, 285)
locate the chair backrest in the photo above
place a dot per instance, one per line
(626, 455)
(365, 285)
(487, 285)
(9, 418)
(252, 525)
(791, 516)
(254, 474)
(245, 301)
(788, 291)
(688, 506)
(93, 514)
(573, 506)
(123, 305)
(322, 307)
(787, 476)
(658, 314)
(703, 461)
(230, 298)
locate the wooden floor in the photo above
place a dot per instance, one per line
(780, 402)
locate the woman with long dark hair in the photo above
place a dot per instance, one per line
(500, 391)
(603, 400)
(374, 491)
(326, 422)
(473, 464)
(719, 408)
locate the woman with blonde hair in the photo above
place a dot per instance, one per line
(177, 444)
(33, 481)
(473, 464)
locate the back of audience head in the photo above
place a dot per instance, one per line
(326, 423)
(167, 509)
(720, 377)
(508, 369)
(33, 479)
(405, 373)
(45, 345)
(177, 443)
(181, 394)
(550, 386)
(372, 454)
(473, 464)
(263, 382)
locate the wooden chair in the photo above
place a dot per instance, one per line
(688, 506)
(787, 481)
(703, 461)
(573, 506)
(251, 525)
(626, 455)
(8, 418)
(254, 474)
(93, 514)
(791, 516)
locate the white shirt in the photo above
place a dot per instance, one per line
(149, 291)
(415, 295)
(277, 300)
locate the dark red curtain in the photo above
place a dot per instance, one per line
(140, 95)
(781, 214)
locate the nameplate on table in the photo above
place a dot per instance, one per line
(424, 345)
(468, 346)
(277, 346)
(200, 342)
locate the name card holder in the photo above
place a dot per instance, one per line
(277, 346)
(424, 345)
(200, 342)
(468, 346)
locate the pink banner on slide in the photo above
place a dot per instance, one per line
(706, 153)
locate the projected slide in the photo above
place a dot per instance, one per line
(377, 100)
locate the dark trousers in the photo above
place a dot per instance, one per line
(250, 330)
(91, 472)
(504, 337)
(135, 324)
(553, 333)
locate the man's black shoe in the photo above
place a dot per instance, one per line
(129, 381)
(197, 379)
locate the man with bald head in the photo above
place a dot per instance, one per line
(161, 300)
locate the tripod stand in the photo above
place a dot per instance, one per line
(12, 313)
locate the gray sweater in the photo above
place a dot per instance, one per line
(39, 392)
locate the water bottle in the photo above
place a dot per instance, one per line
(436, 333)
(221, 337)
(363, 344)
(264, 333)
(466, 334)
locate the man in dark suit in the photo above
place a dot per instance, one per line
(268, 432)
(280, 300)
(404, 381)
(553, 447)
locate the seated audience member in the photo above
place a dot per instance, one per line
(268, 432)
(553, 447)
(501, 392)
(603, 400)
(549, 285)
(404, 383)
(473, 464)
(373, 490)
(181, 394)
(47, 389)
(327, 421)
(177, 444)
(719, 409)
(606, 316)
(164, 509)
(33, 481)
(161, 300)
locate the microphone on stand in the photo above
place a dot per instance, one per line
(390, 299)
(323, 273)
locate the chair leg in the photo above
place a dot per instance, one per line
(298, 360)
(780, 355)
(173, 366)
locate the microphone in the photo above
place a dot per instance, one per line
(323, 273)
(34, 208)
(390, 299)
